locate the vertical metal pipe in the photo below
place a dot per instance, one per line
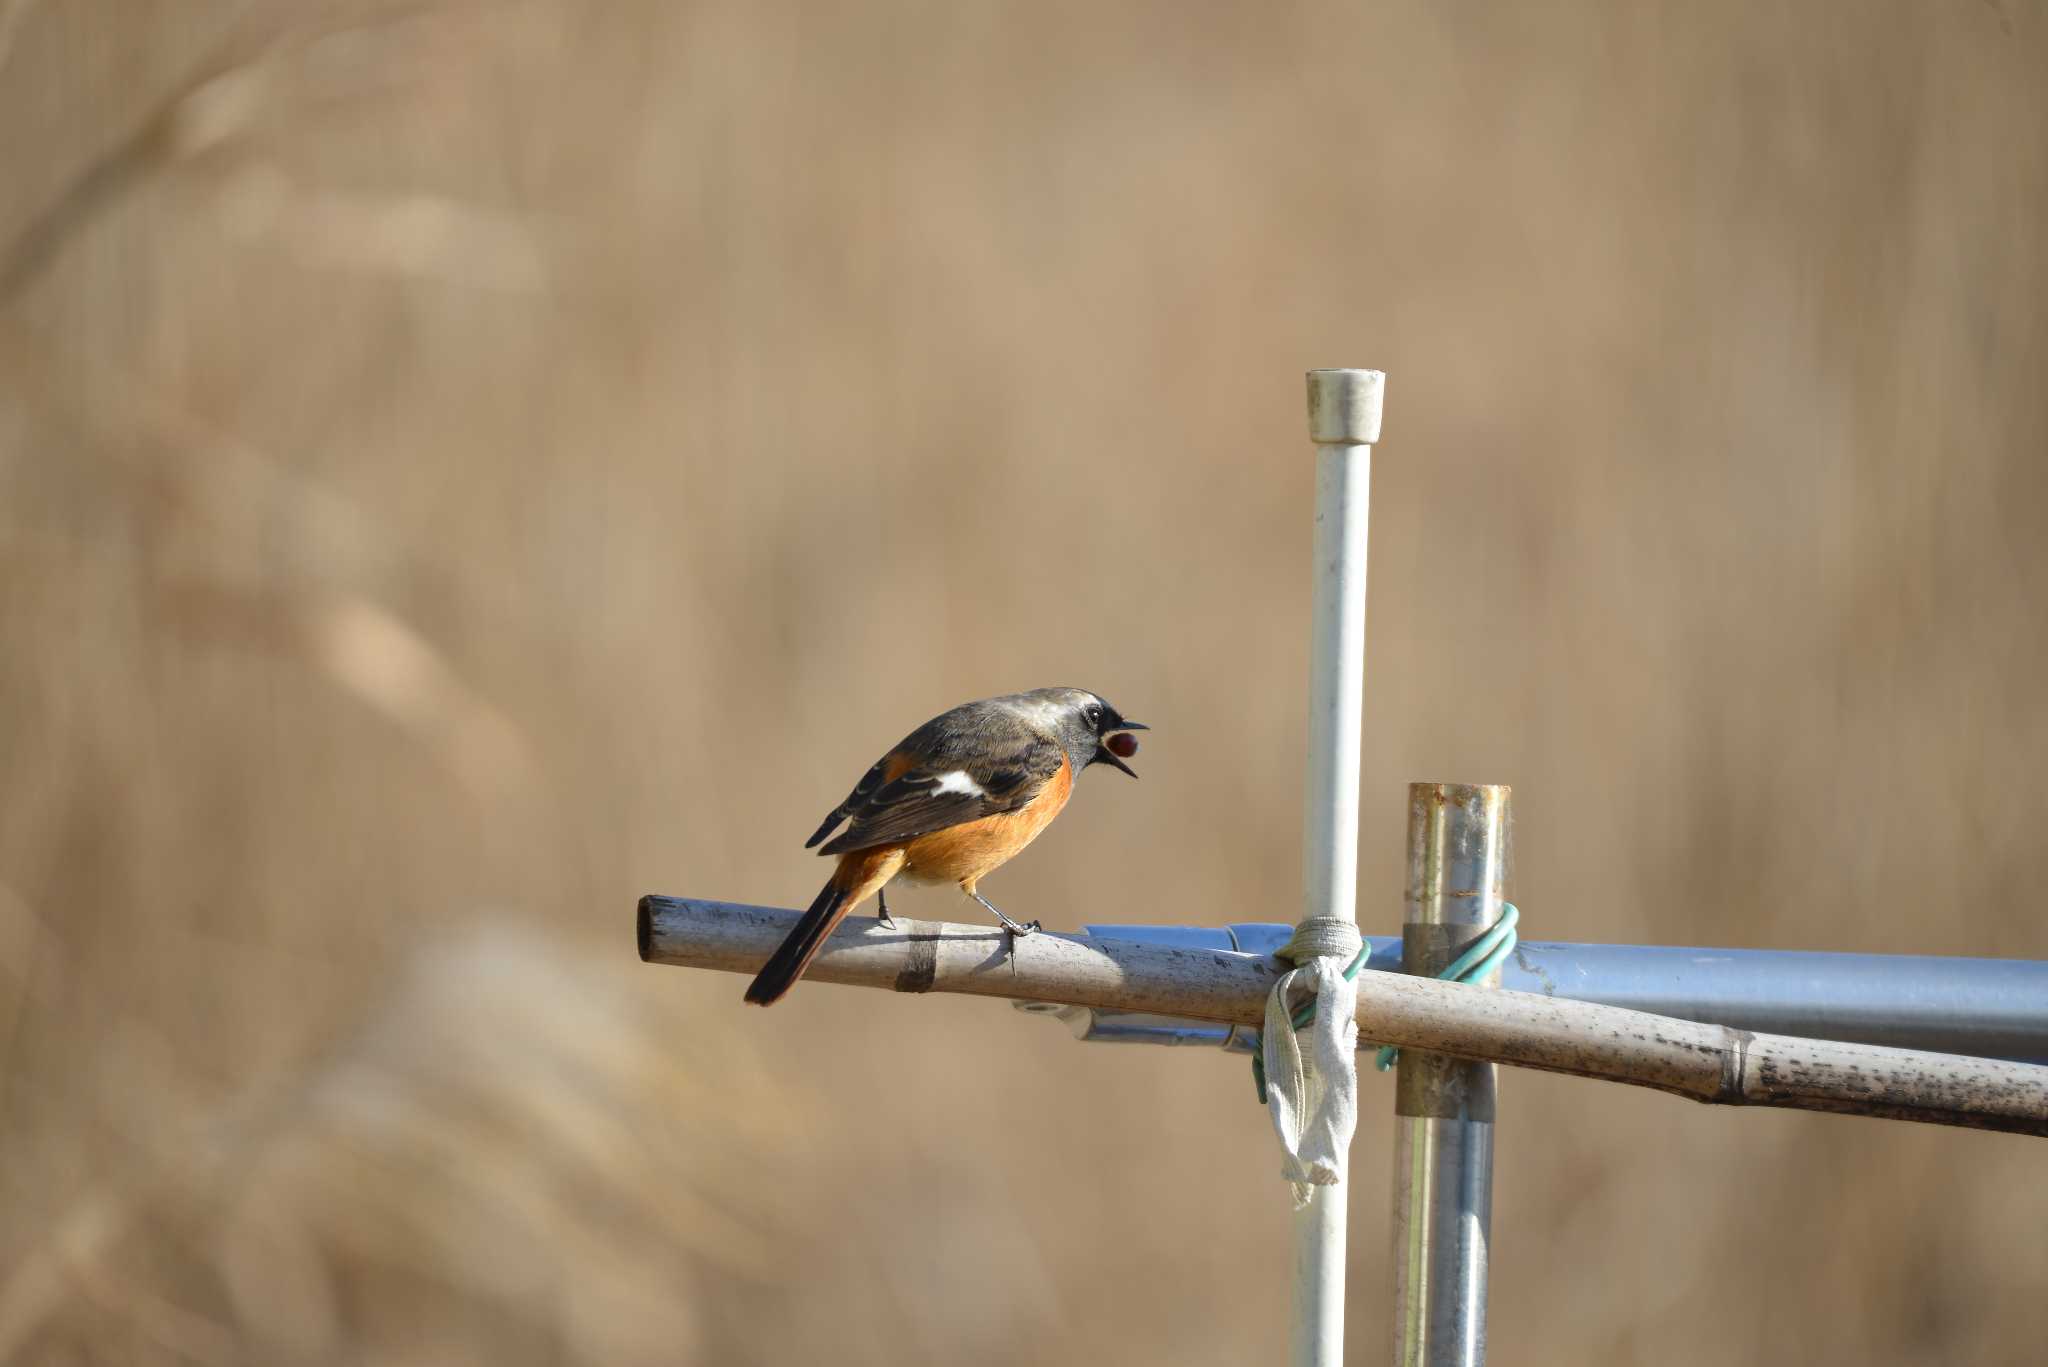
(1344, 421)
(1458, 855)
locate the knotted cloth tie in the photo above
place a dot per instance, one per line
(1314, 1110)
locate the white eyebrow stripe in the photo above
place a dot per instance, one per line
(958, 781)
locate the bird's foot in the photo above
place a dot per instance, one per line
(1010, 923)
(882, 916)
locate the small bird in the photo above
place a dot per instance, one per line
(954, 800)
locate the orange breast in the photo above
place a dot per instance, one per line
(966, 853)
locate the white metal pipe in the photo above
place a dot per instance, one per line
(1344, 421)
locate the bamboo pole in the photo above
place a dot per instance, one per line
(1708, 1063)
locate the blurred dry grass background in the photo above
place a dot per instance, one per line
(465, 465)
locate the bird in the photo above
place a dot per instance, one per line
(950, 803)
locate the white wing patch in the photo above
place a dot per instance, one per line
(958, 781)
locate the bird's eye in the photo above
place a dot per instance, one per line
(1092, 715)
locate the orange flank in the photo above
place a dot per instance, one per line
(967, 853)
(963, 854)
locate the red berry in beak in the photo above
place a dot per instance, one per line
(1123, 745)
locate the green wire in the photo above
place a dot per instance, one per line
(1480, 958)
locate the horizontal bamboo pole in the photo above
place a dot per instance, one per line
(1709, 1063)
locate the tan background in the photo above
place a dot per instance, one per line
(463, 466)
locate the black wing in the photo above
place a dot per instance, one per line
(938, 792)
(876, 775)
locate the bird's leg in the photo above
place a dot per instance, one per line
(882, 917)
(1015, 927)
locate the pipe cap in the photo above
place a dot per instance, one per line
(1344, 406)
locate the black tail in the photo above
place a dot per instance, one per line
(788, 963)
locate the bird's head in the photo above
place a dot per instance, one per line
(1090, 730)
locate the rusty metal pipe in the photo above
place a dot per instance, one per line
(1444, 1107)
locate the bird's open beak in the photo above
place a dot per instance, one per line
(1104, 756)
(1108, 756)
